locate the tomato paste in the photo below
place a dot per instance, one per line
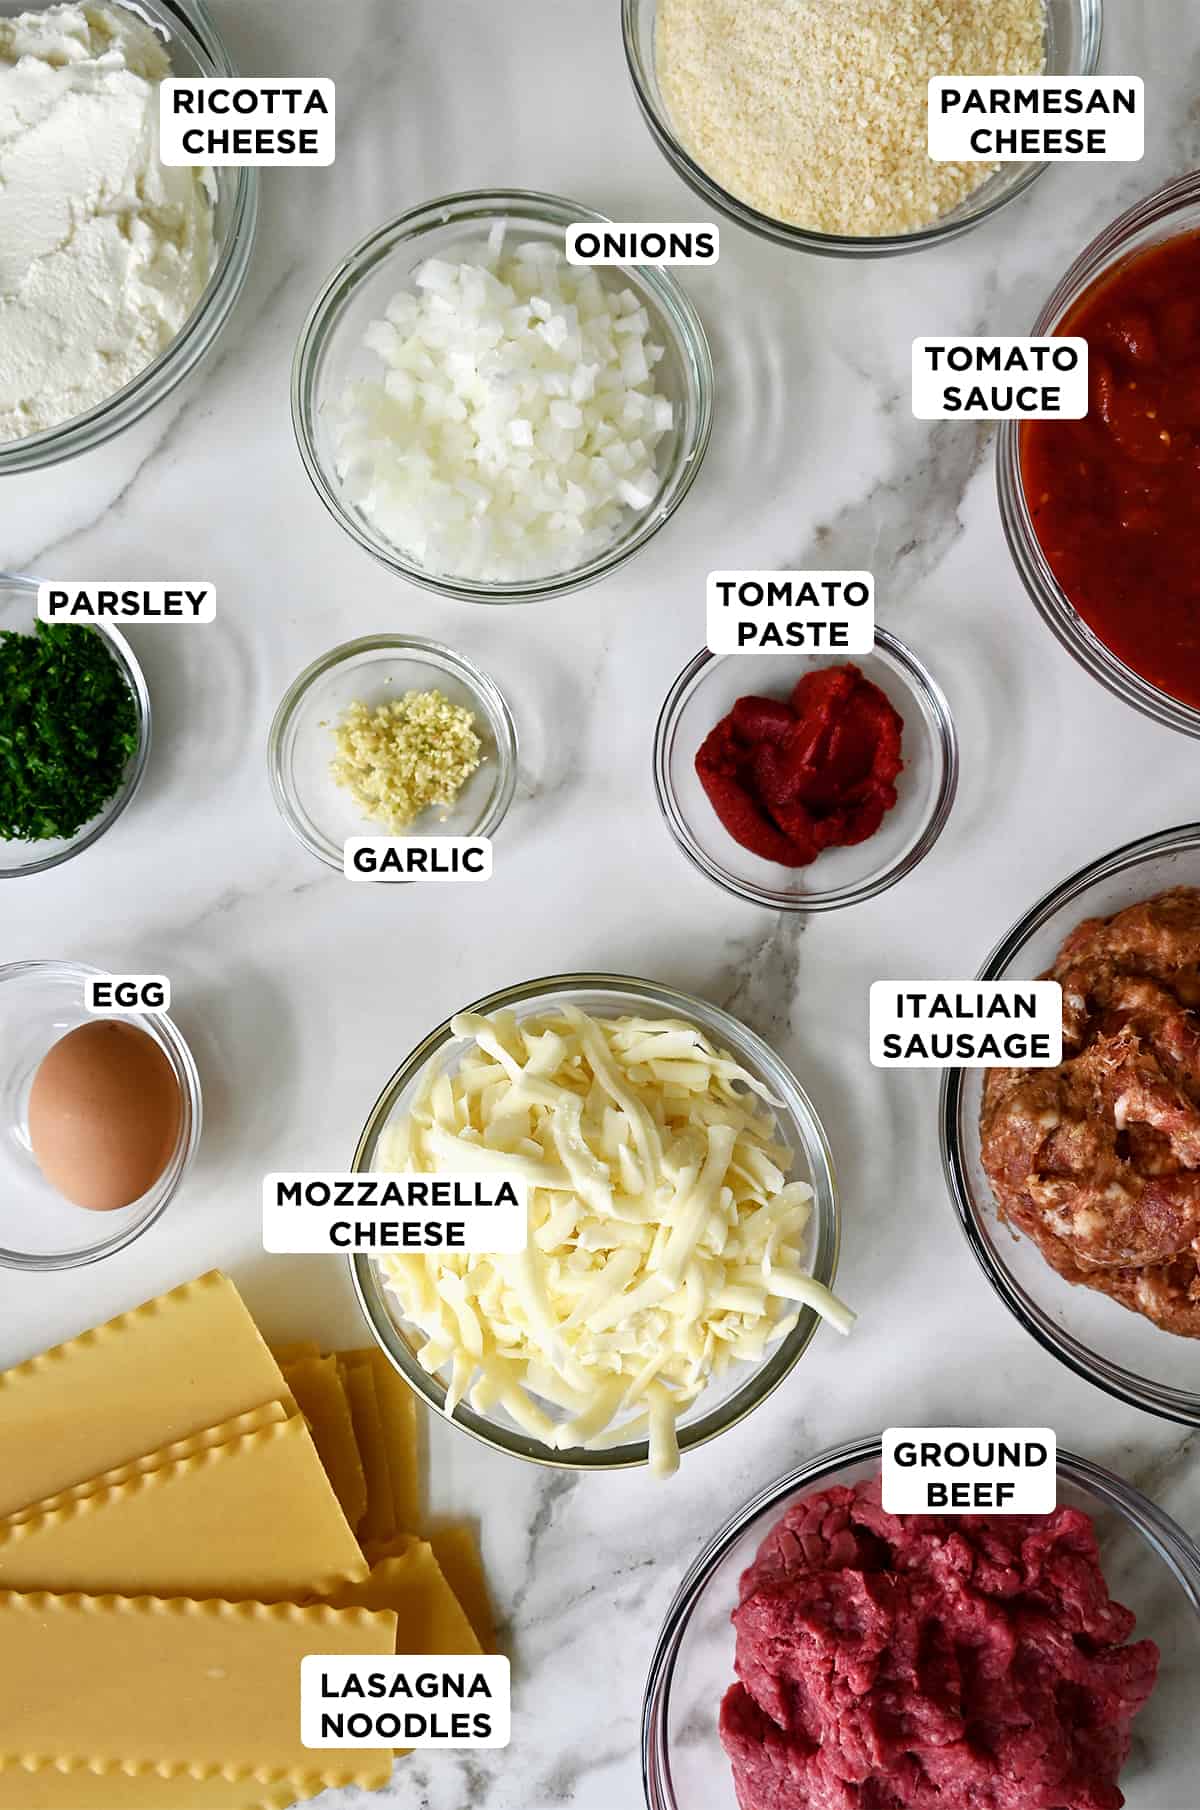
(1113, 497)
(790, 778)
(926, 1662)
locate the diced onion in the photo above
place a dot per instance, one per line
(514, 426)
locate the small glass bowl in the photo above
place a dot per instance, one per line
(39, 1230)
(707, 689)
(331, 353)
(1165, 214)
(375, 670)
(1149, 1562)
(743, 1387)
(1073, 30)
(196, 49)
(18, 613)
(1118, 1350)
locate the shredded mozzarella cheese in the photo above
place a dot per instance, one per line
(665, 1241)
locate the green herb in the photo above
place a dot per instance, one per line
(68, 725)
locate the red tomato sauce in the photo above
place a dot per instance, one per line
(790, 777)
(1115, 498)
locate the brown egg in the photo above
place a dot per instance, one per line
(104, 1114)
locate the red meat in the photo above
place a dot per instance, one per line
(918, 1662)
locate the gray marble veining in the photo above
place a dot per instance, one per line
(301, 996)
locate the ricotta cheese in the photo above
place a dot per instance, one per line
(104, 252)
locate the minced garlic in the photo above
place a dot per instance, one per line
(403, 756)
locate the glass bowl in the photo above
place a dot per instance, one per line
(1073, 29)
(706, 690)
(1168, 212)
(374, 670)
(1118, 1350)
(743, 1387)
(39, 1230)
(196, 49)
(331, 354)
(1150, 1564)
(18, 613)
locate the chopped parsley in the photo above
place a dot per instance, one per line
(68, 726)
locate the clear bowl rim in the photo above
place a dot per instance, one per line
(174, 1045)
(437, 654)
(831, 245)
(135, 678)
(1173, 1544)
(676, 310)
(1161, 1399)
(946, 746)
(1100, 256)
(199, 332)
(763, 1378)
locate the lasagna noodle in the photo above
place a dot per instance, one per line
(398, 1416)
(456, 1549)
(429, 1617)
(358, 1378)
(317, 1387)
(48, 1788)
(253, 1517)
(295, 1353)
(173, 1686)
(191, 1359)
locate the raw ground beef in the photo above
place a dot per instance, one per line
(920, 1662)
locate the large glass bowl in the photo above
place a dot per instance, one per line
(1073, 29)
(40, 1002)
(331, 354)
(1150, 1564)
(742, 1387)
(707, 689)
(373, 670)
(1168, 212)
(1119, 1351)
(196, 49)
(18, 614)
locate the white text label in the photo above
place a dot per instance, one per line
(1037, 119)
(790, 612)
(244, 121)
(986, 379)
(313, 1215)
(966, 1024)
(604, 242)
(93, 600)
(417, 858)
(409, 1701)
(970, 1470)
(127, 993)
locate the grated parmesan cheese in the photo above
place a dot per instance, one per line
(814, 111)
(404, 756)
(665, 1241)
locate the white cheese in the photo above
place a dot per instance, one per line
(665, 1240)
(103, 251)
(814, 111)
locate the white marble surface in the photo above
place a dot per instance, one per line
(300, 994)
